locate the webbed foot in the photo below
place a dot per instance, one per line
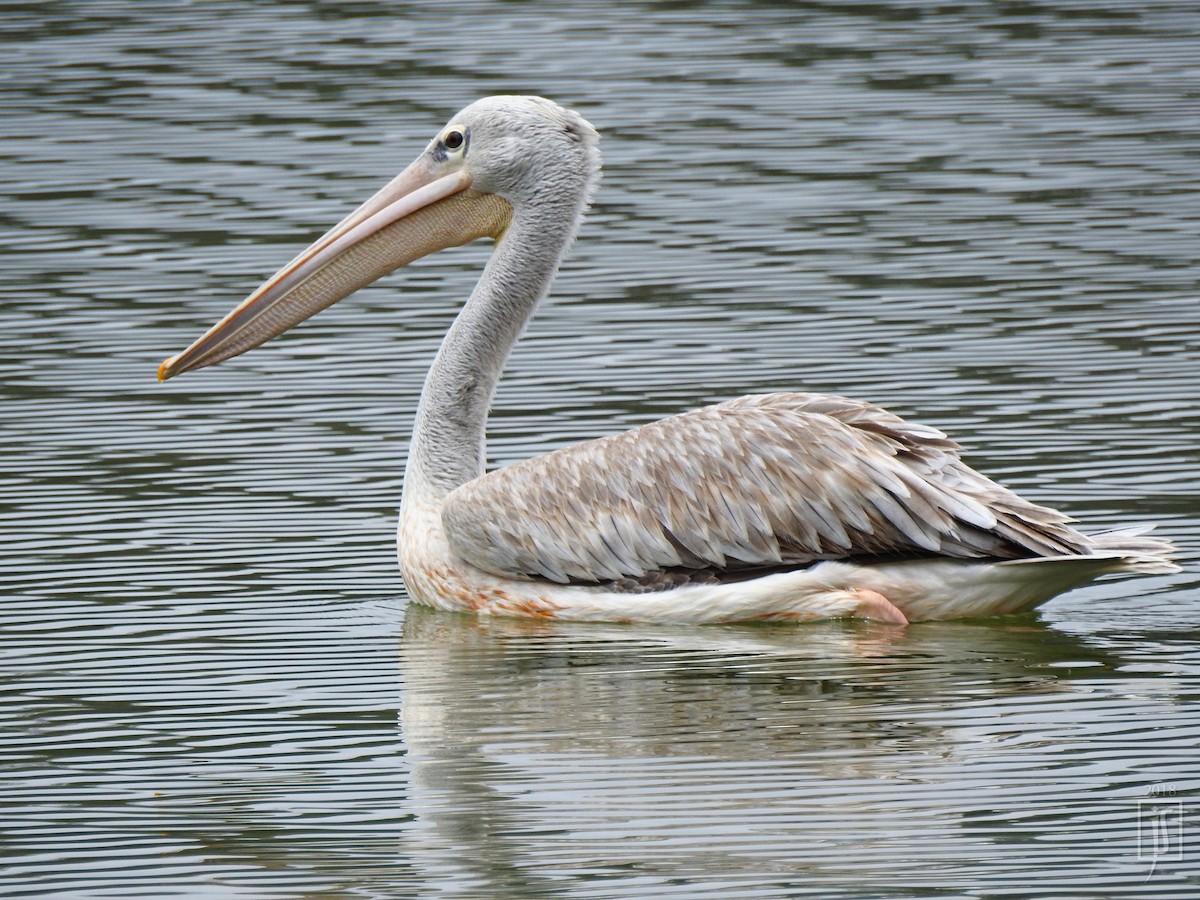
(873, 605)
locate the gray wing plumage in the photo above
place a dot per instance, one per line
(761, 481)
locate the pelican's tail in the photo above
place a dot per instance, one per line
(1134, 551)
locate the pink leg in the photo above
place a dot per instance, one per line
(873, 605)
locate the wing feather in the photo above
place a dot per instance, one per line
(767, 480)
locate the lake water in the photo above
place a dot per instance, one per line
(985, 217)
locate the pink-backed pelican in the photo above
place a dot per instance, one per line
(786, 506)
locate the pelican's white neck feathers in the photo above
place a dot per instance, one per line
(549, 190)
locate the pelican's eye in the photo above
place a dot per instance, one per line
(452, 144)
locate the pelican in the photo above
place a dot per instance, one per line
(785, 506)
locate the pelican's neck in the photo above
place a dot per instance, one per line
(448, 436)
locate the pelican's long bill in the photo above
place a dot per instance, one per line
(423, 209)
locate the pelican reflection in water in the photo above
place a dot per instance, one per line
(785, 506)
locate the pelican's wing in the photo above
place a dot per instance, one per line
(776, 479)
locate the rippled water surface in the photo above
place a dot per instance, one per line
(984, 216)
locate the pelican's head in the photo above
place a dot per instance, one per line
(500, 157)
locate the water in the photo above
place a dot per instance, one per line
(984, 217)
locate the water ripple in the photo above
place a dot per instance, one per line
(983, 217)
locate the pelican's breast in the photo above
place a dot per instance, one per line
(436, 576)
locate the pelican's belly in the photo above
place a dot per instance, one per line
(435, 576)
(920, 589)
